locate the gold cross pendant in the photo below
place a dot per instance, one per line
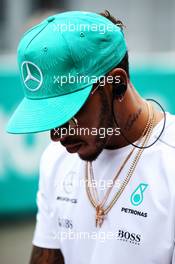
(99, 216)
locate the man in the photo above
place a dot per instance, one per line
(107, 192)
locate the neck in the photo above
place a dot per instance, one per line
(131, 115)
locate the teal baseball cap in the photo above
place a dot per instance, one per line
(59, 60)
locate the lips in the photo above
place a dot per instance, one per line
(72, 148)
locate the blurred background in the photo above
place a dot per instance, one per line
(151, 43)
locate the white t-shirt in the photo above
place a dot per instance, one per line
(140, 227)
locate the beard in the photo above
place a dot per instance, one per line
(93, 155)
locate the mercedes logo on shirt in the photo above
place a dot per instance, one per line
(68, 182)
(31, 82)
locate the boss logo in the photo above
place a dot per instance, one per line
(129, 237)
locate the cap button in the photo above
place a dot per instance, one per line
(50, 19)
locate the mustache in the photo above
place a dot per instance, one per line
(70, 141)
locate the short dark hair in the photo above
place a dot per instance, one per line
(124, 64)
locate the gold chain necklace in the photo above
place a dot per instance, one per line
(101, 211)
(122, 166)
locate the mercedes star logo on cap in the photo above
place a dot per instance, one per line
(27, 68)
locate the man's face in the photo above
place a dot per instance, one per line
(93, 120)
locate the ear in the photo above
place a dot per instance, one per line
(119, 83)
(119, 75)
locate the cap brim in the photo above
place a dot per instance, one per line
(34, 115)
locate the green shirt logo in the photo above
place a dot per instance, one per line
(137, 195)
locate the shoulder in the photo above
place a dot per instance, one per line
(161, 155)
(167, 139)
(54, 153)
(165, 147)
(163, 150)
(54, 160)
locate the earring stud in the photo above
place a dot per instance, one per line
(73, 122)
(120, 99)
